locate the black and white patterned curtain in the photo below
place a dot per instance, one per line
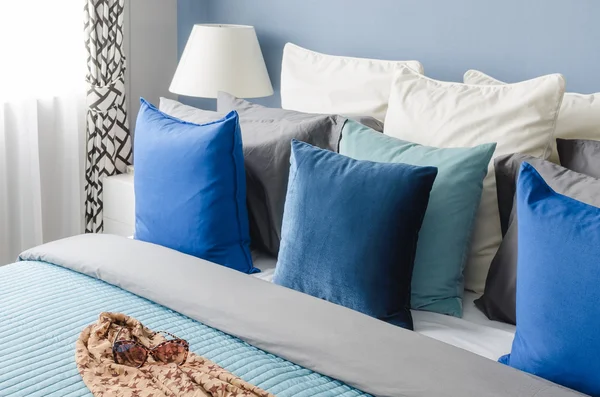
(108, 139)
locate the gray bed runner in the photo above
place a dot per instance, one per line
(360, 351)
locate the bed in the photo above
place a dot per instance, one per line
(288, 343)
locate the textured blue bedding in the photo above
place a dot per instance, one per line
(43, 308)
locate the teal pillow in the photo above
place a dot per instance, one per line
(437, 283)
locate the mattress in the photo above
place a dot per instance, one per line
(43, 308)
(474, 332)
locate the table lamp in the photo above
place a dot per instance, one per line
(222, 58)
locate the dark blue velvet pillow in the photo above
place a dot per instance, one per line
(190, 187)
(350, 231)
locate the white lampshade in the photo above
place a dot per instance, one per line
(222, 58)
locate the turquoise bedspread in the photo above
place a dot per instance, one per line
(43, 308)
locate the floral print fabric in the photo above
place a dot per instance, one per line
(196, 377)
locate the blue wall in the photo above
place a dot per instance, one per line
(508, 39)
(189, 12)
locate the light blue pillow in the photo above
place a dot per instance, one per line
(190, 187)
(443, 249)
(558, 279)
(350, 231)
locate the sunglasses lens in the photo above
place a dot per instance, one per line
(127, 353)
(171, 352)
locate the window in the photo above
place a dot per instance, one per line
(42, 51)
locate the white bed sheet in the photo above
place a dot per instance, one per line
(474, 332)
(265, 263)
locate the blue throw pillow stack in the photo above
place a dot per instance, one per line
(354, 230)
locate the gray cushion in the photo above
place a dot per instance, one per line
(499, 299)
(507, 170)
(267, 134)
(369, 121)
(580, 155)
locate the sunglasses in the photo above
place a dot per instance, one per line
(134, 354)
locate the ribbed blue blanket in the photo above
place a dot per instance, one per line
(43, 308)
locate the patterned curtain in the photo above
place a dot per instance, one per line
(108, 139)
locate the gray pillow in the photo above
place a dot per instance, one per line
(507, 170)
(499, 299)
(267, 134)
(188, 113)
(580, 155)
(368, 121)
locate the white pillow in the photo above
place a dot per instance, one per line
(579, 116)
(188, 113)
(317, 83)
(518, 117)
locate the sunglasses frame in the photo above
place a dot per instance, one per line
(150, 350)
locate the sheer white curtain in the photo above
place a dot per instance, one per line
(42, 122)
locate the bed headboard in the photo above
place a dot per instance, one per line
(511, 40)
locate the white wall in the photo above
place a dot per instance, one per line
(151, 48)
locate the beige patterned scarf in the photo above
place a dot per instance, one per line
(196, 377)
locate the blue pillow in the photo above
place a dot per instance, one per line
(350, 231)
(558, 293)
(190, 187)
(445, 238)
